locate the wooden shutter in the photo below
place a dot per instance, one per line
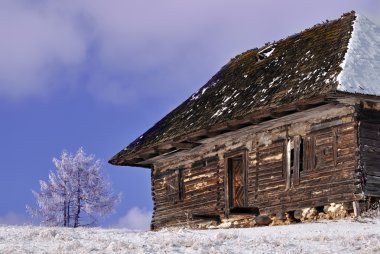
(174, 186)
(309, 153)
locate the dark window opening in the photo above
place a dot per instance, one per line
(261, 57)
(294, 161)
(301, 160)
(292, 158)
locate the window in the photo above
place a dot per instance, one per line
(314, 151)
(302, 145)
(294, 155)
(174, 186)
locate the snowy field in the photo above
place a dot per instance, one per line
(345, 236)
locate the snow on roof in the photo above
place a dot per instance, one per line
(361, 66)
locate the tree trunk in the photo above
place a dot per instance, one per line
(68, 214)
(76, 219)
(64, 214)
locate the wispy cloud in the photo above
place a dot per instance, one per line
(136, 219)
(119, 51)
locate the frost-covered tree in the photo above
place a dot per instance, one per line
(76, 194)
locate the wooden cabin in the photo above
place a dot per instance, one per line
(291, 125)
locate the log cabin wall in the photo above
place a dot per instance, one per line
(326, 169)
(306, 159)
(369, 144)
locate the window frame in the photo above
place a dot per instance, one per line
(294, 164)
(175, 185)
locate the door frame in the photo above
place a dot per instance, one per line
(242, 152)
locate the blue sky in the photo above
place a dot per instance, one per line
(98, 74)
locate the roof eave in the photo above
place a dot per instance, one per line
(141, 157)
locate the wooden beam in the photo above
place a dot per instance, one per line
(185, 145)
(275, 115)
(149, 153)
(134, 160)
(195, 136)
(254, 121)
(238, 124)
(165, 148)
(302, 107)
(217, 129)
(282, 111)
(257, 120)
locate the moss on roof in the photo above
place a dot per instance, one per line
(302, 66)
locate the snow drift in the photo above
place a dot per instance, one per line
(344, 236)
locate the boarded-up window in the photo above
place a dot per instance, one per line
(325, 149)
(174, 186)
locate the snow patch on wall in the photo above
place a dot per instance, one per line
(361, 66)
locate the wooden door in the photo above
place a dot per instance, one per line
(236, 182)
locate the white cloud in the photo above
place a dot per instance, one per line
(136, 219)
(35, 43)
(122, 50)
(12, 218)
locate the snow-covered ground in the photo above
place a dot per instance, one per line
(344, 236)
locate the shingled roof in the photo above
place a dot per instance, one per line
(339, 56)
